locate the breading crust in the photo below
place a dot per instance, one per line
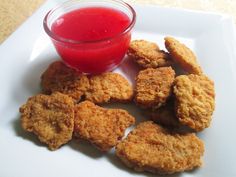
(195, 100)
(182, 55)
(102, 127)
(154, 86)
(148, 55)
(109, 87)
(50, 117)
(165, 115)
(152, 148)
(61, 78)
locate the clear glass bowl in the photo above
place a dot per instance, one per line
(93, 56)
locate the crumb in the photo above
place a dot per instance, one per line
(109, 87)
(182, 55)
(102, 127)
(195, 100)
(152, 148)
(148, 55)
(50, 117)
(153, 86)
(59, 77)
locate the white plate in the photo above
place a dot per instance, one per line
(26, 54)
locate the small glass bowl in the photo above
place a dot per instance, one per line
(94, 56)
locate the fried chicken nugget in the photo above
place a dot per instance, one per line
(152, 148)
(182, 55)
(153, 86)
(59, 77)
(165, 115)
(50, 117)
(109, 87)
(148, 55)
(102, 127)
(195, 100)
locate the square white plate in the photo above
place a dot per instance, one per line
(26, 54)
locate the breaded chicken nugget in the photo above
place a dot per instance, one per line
(182, 55)
(50, 117)
(148, 55)
(195, 100)
(152, 148)
(59, 77)
(153, 86)
(109, 87)
(102, 127)
(165, 115)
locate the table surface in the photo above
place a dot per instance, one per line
(14, 12)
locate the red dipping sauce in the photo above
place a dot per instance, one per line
(92, 39)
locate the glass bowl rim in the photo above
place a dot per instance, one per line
(71, 41)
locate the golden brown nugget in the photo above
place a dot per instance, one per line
(102, 127)
(182, 55)
(153, 86)
(195, 100)
(148, 55)
(165, 115)
(109, 87)
(152, 148)
(50, 117)
(59, 77)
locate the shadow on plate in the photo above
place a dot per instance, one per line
(31, 79)
(29, 84)
(85, 148)
(23, 134)
(130, 69)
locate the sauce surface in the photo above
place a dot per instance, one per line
(91, 24)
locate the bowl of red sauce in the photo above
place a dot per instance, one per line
(91, 36)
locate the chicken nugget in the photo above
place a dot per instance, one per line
(195, 100)
(102, 127)
(148, 55)
(152, 148)
(165, 115)
(182, 55)
(50, 117)
(153, 86)
(59, 77)
(109, 87)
